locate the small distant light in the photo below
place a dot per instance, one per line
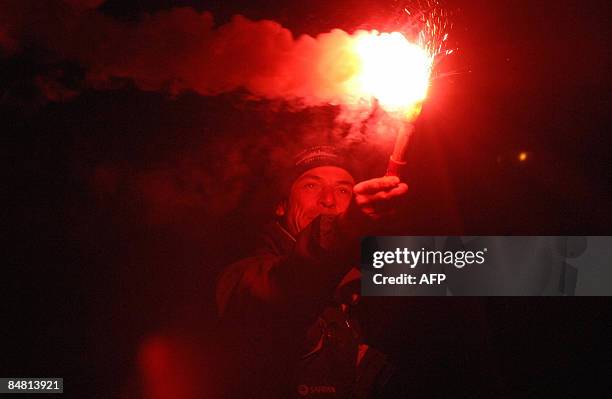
(522, 156)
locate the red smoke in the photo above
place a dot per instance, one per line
(175, 50)
(181, 49)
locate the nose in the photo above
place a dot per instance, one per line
(327, 198)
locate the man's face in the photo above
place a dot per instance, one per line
(321, 190)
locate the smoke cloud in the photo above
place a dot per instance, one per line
(182, 49)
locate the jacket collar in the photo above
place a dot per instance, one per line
(277, 239)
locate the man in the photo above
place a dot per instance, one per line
(286, 309)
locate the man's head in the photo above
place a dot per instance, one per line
(322, 185)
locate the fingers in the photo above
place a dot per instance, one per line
(382, 196)
(378, 198)
(374, 186)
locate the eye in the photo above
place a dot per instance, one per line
(310, 186)
(344, 190)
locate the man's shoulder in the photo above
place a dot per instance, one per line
(244, 273)
(271, 243)
(251, 273)
(238, 268)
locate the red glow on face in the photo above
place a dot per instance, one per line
(321, 190)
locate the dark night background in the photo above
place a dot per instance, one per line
(124, 205)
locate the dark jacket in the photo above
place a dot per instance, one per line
(285, 313)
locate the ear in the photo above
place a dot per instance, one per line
(281, 208)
